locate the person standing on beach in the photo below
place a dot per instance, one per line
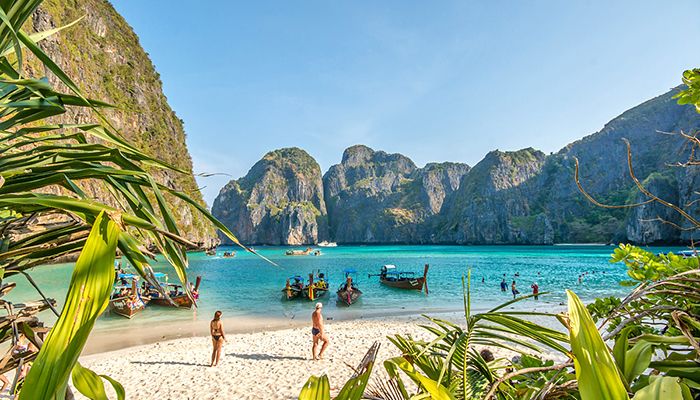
(318, 331)
(217, 337)
(513, 288)
(535, 290)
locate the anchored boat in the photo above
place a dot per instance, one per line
(389, 276)
(293, 288)
(348, 292)
(177, 296)
(316, 288)
(126, 299)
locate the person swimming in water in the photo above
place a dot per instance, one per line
(218, 337)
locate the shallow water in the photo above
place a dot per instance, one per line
(248, 286)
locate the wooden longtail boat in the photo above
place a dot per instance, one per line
(178, 297)
(298, 252)
(293, 290)
(403, 280)
(229, 254)
(348, 293)
(127, 300)
(315, 289)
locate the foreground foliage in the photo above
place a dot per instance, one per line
(45, 214)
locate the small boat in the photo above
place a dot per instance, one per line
(315, 288)
(348, 292)
(389, 276)
(177, 297)
(293, 288)
(210, 252)
(328, 244)
(126, 300)
(229, 254)
(688, 253)
(298, 252)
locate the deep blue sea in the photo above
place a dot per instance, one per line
(249, 286)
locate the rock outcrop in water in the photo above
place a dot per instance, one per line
(102, 53)
(280, 201)
(521, 197)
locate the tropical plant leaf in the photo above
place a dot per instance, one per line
(663, 388)
(432, 387)
(88, 295)
(88, 383)
(597, 374)
(316, 388)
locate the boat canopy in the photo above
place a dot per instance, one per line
(348, 271)
(128, 276)
(688, 253)
(389, 266)
(297, 277)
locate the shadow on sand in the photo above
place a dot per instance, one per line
(264, 357)
(170, 363)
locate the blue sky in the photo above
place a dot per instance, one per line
(436, 81)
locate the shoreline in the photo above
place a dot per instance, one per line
(114, 339)
(266, 363)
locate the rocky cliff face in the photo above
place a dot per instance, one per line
(493, 202)
(280, 201)
(103, 54)
(525, 196)
(375, 197)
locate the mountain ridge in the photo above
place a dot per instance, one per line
(522, 196)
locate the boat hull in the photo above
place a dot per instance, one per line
(181, 301)
(313, 294)
(291, 294)
(349, 298)
(125, 307)
(406, 284)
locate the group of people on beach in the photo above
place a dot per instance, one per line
(318, 333)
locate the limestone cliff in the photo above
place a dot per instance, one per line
(519, 197)
(103, 55)
(375, 197)
(280, 201)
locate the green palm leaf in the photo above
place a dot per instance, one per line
(88, 295)
(597, 374)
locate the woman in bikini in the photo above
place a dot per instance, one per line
(217, 337)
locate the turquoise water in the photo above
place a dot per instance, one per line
(248, 286)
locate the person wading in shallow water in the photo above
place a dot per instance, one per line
(535, 290)
(514, 289)
(217, 338)
(318, 331)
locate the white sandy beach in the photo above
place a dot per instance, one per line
(260, 365)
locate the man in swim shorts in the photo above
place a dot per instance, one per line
(318, 332)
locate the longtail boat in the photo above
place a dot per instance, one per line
(348, 292)
(177, 297)
(298, 252)
(126, 300)
(229, 254)
(315, 289)
(293, 288)
(389, 276)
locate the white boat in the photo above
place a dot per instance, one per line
(328, 244)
